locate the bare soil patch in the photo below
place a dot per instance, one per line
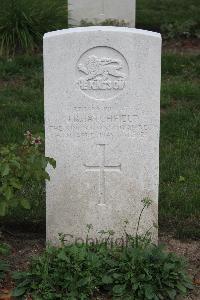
(17, 82)
(190, 46)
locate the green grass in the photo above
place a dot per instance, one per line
(180, 145)
(153, 14)
(23, 23)
(21, 109)
(21, 97)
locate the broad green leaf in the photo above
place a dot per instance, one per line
(17, 292)
(4, 151)
(136, 286)
(20, 275)
(16, 163)
(189, 285)
(83, 281)
(52, 162)
(149, 293)
(3, 206)
(14, 202)
(47, 177)
(119, 289)
(5, 170)
(107, 279)
(172, 294)
(15, 183)
(168, 267)
(62, 255)
(8, 193)
(4, 266)
(25, 203)
(4, 249)
(116, 275)
(181, 179)
(181, 288)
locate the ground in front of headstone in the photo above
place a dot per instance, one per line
(187, 46)
(25, 246)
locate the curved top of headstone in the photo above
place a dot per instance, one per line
(101, 28)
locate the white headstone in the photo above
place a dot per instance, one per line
(102, 119)
(97, 11)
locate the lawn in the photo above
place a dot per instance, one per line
(21, 97)
(173, 18)
(21, 109)
(180, 145)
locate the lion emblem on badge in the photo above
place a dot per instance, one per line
(101, 68)
(102, 73)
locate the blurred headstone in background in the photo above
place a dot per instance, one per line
(97, 11)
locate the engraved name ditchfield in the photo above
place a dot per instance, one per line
(82, 118)
(110, 124)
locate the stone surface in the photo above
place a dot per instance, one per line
(100, 10)
(102, 119)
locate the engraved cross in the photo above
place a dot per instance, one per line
(102, 168)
